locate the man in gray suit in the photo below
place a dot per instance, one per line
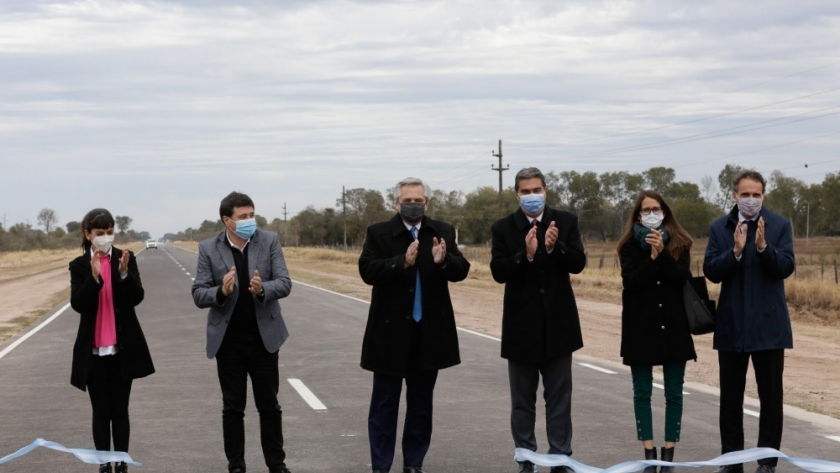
(241, 275)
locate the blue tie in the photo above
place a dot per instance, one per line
(417, 313)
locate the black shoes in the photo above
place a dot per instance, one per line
(650, 454)
(527, 467)
(562, 469)
(736, 468)
(105, 468)
(412, 469)
(667, 456)
(765, 469)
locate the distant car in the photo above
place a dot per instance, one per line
(151, 244)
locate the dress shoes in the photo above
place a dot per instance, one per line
(105, 468)
(562, 469)
(765, 469)
(413, 469)
(527, 467)
(737, 468)
(380, 471)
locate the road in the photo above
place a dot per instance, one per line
(176, 413)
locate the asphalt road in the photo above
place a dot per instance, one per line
(176, 413)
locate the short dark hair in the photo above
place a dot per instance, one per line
(527, 173)
(95, 219)
(751, 175)
(233, 200)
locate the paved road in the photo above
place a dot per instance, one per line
(176, 413)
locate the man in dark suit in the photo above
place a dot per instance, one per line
(410, 332)
(241, 275)
(534, 250)
(750, 253)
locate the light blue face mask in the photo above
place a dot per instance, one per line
(245, 228)
(532, 204)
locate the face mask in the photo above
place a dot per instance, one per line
(103, 242)
(652, 220)
(411, 212)
(245, 228)
(749, 206)
(532, 204)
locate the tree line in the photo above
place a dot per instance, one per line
(601, 202)
(23, 236)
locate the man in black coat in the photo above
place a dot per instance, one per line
(410, 331)
(534, 250)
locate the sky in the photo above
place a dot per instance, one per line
(157, 110)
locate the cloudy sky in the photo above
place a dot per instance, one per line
(156, 110)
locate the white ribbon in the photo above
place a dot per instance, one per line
(96, 457)
(731, 458)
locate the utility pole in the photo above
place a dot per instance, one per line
(500, 169)
(808, 225)
(344, 214)
(285, 222)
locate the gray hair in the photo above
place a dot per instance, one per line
(412, 181)
(528, 173)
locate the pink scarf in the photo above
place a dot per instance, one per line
(106, 327)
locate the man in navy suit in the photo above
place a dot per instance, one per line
(410, 335)
(241, 275)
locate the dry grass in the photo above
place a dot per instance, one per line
(16, 264)
(14, 326)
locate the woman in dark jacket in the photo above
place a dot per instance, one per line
(654, 252)
(110, 349)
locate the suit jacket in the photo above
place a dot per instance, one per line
(752, 313)
(540, 318)
(215, 260)
(385, 348)
(135, 359)
(654, 326)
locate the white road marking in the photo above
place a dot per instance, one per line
(597, 368)
(193, 279)
(833, 437)
(307, 395)
(479, 334)
(659, 386)
(32, 332)
(751, 413)
(188, 273)
(331, 292)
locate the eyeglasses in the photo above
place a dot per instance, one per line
(655, 210)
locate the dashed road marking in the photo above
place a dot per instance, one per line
(836, 438)
(751, 413)
(597, 368)
(307, 395)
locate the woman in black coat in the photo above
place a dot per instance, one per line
(110, 349)
(654, 252)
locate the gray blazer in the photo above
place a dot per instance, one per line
(215, 260)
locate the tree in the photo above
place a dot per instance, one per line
(659, 179)
(123, 223)
(73, 226)
(47, 219)
(725, 177)
(708, 187)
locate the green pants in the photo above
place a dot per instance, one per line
(642, 387)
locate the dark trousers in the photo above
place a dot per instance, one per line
(557, 392)
(674, 373)
(235, 361)
(384, 410)
(109, 394)
(769, 365)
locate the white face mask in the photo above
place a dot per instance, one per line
(652, 220)
(749, 206)
(103, 242)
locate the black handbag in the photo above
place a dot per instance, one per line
(698, 308)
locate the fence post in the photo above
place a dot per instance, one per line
(601, 263)
(822, 270)
(836, 281)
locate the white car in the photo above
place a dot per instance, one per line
(151, 244)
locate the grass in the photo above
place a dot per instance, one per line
(16, 325)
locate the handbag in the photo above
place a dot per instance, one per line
(698, 308)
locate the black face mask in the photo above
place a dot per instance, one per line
(412, 213)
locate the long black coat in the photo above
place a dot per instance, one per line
(654, 327)
(385, 348)
(540, 318)
(136, 362)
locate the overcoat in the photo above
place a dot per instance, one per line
(135, 359)
(654, 327)
(752, 313)
(385, 347)
(539, 316)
